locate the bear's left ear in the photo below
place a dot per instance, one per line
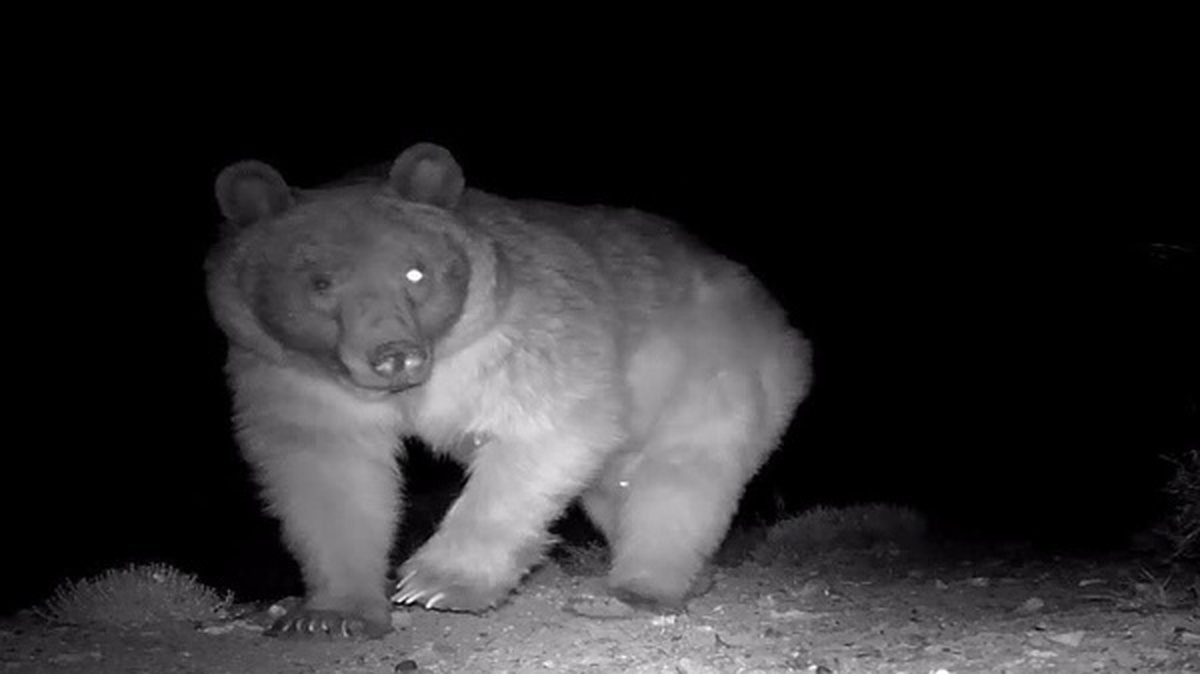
(249, 191)
(428, 174)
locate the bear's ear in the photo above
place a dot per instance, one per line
(249, 191)
(427, 173)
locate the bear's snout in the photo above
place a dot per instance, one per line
(400, 363)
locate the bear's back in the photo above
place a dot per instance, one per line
(645, 263)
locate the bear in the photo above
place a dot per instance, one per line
(560, 353)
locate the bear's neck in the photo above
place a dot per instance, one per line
(488, 294)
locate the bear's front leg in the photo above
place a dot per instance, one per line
(326, 464)
(338, 510)
(497, 528)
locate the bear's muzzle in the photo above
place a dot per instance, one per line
(400, 364)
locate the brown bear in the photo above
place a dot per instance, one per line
(558, 352)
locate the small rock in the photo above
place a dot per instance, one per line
(1032, 605)
(687, 666)
(814, 588)
(1072, 639)
(1188, 638)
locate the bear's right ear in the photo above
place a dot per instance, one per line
(249, 191)
(428, 174)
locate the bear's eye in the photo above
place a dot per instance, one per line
(321, 283)
(414, 275)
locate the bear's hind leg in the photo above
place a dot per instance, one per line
(683, 491)
(672, 520)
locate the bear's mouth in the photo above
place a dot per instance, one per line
(373, 394)
(382, 390)
(370, 389)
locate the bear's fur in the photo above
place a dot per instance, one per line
(558, 352)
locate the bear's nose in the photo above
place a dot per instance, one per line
(402, 362)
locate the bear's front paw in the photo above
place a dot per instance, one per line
(307, 623)
(443, 591)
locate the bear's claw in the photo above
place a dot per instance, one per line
(435, 591)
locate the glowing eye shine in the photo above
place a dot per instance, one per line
(414, 275)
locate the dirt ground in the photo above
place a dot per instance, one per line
(877, 610)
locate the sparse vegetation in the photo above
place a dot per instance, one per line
(590, 559)
(858, 527)
(134, 596)
(1182, 529)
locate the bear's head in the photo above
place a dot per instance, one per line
(358, 281)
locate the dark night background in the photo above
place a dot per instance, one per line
(1001, 339)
